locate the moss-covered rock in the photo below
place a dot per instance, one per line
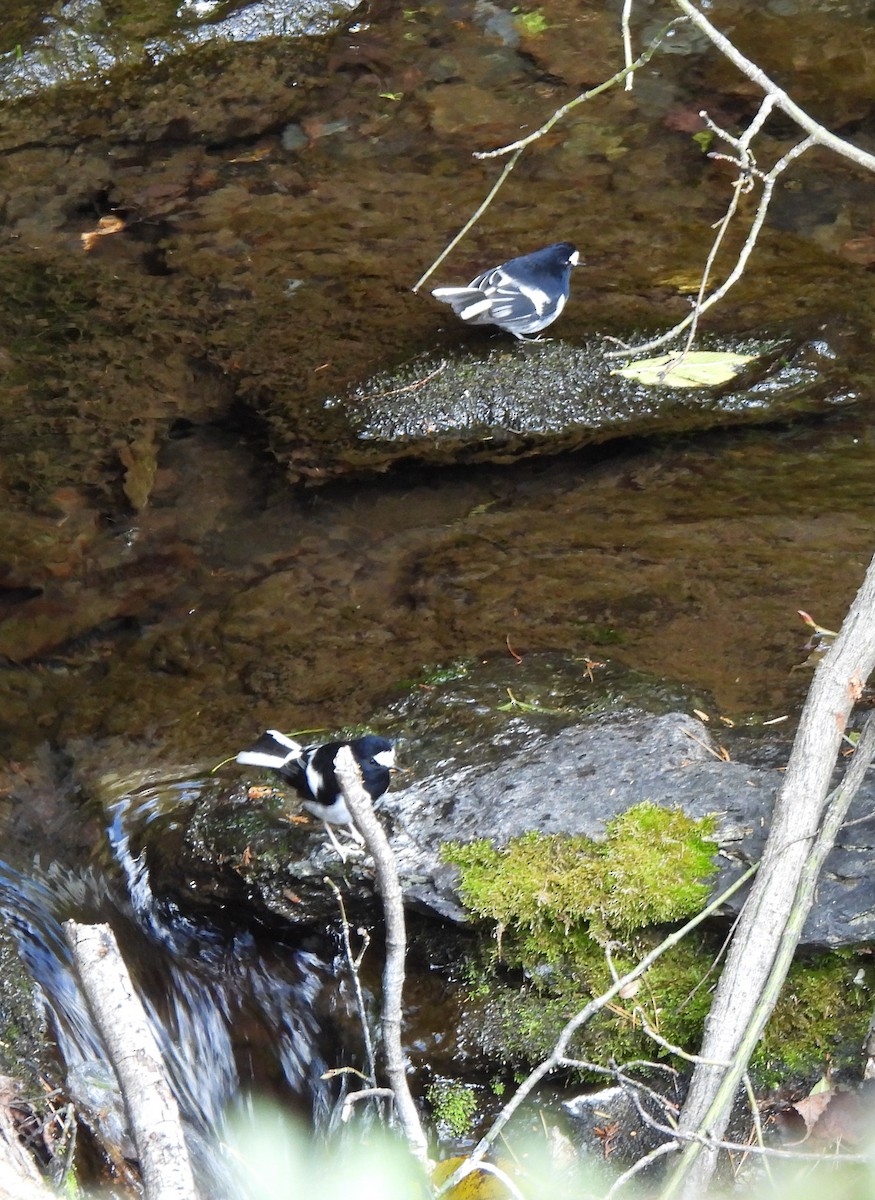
(650, 869)
(560, 903)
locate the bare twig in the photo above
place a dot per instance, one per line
(757, 1121)
(558, 1056)
(369, 1093)
(565, 109)
(813, 128)
(702, 305)
(491, 1169)
(472, 221)
(698, 1138)
(359, 804)
(625, 19)
(354, 963)
(775, 98)
(516, 148)
(639, 1165)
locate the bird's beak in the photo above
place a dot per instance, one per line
(399, 770)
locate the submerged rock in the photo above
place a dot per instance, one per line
(515, 401)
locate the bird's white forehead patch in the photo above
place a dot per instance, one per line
(574, 258)
(386, 758)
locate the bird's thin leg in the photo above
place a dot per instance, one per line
(353, 833)
(334, 842)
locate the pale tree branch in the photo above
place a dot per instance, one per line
(702, 305)
(625, 20)
(359, 804)
(813, 128)
(153, 1113)
(817, 135)
(804, 825)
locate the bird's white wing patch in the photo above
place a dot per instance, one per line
(466, 302)
(536, 297)
(273, 749)
(314, 778)
(257, 758)
(286, 741)
(474, 310)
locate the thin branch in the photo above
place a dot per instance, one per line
(557, 1057)
(627, 42)
(677, 1051)
(354, 964)
(768, 180)
(746, 168)
(359, 804)
(472, 221)
(491, 1169)
(813, 128)
(703, 1139)
(516, 148)
(639, 1165)
(757, 1121)
(775, 97)
(370, 1093)
(565, 109)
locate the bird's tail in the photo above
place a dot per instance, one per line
(273, 750)
(466, 302)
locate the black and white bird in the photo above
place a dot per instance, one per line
(522, 296)
(310, 771)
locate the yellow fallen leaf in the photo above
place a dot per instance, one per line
(699, 368)
(684, 282)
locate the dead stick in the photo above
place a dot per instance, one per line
(152, 1110)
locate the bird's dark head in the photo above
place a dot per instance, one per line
(376, 759)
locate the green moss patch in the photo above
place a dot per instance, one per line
(820, 1019)
(651, 868)
(453, 1105)
(558, 901)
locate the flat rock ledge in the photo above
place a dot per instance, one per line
(576, 780)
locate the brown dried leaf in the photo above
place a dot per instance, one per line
(140, 463)
(106, 225)
(812, 1107)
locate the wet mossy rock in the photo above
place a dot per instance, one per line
(507, 402)
(653, 867)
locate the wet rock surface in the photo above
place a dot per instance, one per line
(504, 404)
(500, 771)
